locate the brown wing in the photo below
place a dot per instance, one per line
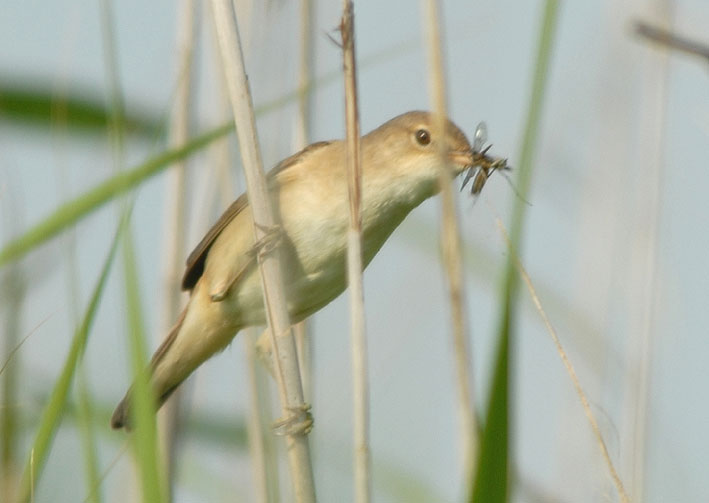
(195, 262)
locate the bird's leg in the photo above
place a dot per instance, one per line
(300, 421)
(222, 289)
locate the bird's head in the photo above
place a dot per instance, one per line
(408, 149)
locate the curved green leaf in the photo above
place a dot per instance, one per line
(69, 213)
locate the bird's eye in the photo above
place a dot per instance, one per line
(423, 137)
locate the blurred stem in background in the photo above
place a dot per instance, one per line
(144, 438)
(303, 339)
(645, 279)
(257, 394)
(151, 471)
(175, 228)
(13, 293)
(87, 429)
(59, 119)
(451, 249)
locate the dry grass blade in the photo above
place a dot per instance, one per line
(17, 346)
(107, 471)
(567, 364)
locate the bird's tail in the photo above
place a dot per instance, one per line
(121, 417)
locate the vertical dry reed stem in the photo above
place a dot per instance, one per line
(176, 222)
(360, 384)
(285, 359)
(567, 364)
(450, 245)
(653, 134)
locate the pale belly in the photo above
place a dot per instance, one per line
(314, 266)
(313, 270)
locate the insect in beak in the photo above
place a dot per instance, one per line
(483, 165)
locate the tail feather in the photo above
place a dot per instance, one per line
(121, 417)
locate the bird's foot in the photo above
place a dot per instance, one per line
(272, 237)
(300, 422)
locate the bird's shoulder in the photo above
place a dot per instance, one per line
(195, 262)
(298, 157)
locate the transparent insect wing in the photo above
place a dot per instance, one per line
(480, 137)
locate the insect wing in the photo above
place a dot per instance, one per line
(480, 137)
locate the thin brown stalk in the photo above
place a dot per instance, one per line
(285, 359)
(11, 351)
(672, 40)
(358, 337)
(175, 223)
(451, 246)
(567, 364)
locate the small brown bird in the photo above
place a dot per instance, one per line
(400, 169)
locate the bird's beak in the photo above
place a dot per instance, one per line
(460, 159)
